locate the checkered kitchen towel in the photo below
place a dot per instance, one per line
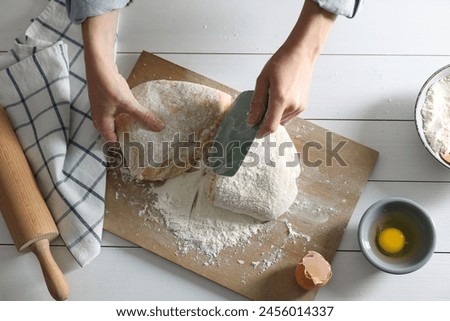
(43, 91)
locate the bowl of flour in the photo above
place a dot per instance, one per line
(432, 114)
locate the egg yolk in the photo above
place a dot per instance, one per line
(391, 240)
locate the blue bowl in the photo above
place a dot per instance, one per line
(409, 217)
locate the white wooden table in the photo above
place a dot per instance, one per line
(364, 87)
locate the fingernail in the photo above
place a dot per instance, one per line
(160, 125)
(110, 138)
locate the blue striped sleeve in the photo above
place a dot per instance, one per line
(347, 8)
(78, 10)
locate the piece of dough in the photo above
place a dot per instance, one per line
(188, 110)
(263, 189)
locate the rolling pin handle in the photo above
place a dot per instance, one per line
(56, 282)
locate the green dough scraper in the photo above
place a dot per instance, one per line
(234, 137)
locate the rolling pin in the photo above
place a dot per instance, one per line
(24, 210)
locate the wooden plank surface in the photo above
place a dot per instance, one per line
(404, 158)
(258, 26)
(328, 193)
(369, 75)
(142, 276)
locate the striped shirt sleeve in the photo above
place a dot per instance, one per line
(78, 10)
(347, 8)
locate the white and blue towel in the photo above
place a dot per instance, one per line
(43, 90)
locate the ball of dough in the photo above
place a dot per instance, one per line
(265, 186)
(191, 113)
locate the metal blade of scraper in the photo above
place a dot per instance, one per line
(234, 137)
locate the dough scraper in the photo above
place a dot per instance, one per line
(234, 137)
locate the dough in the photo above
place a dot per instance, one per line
(191, 112)
(264, 189)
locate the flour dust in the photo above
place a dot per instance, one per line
(201, 228)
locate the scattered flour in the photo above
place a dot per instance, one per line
(188, 213)
(436, 116)
(277, 252)
(296, 234)
(200, 227)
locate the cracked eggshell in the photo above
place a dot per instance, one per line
(313, 271)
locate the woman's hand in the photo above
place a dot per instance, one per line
(109, 94)
(283, 84)
(283, 88)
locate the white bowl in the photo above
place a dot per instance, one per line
(435, 77)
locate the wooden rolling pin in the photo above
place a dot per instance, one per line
(24, 210)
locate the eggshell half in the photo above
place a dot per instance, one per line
(313, 271)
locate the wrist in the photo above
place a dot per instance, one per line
(99, 37)
(99, 61)
(311, 31)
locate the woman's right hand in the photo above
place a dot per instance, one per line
(109, 93)
(110, 96)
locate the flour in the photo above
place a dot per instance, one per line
(199, 226)
(436, 116)
(202, 228)
(262, 192)
(182, 206)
